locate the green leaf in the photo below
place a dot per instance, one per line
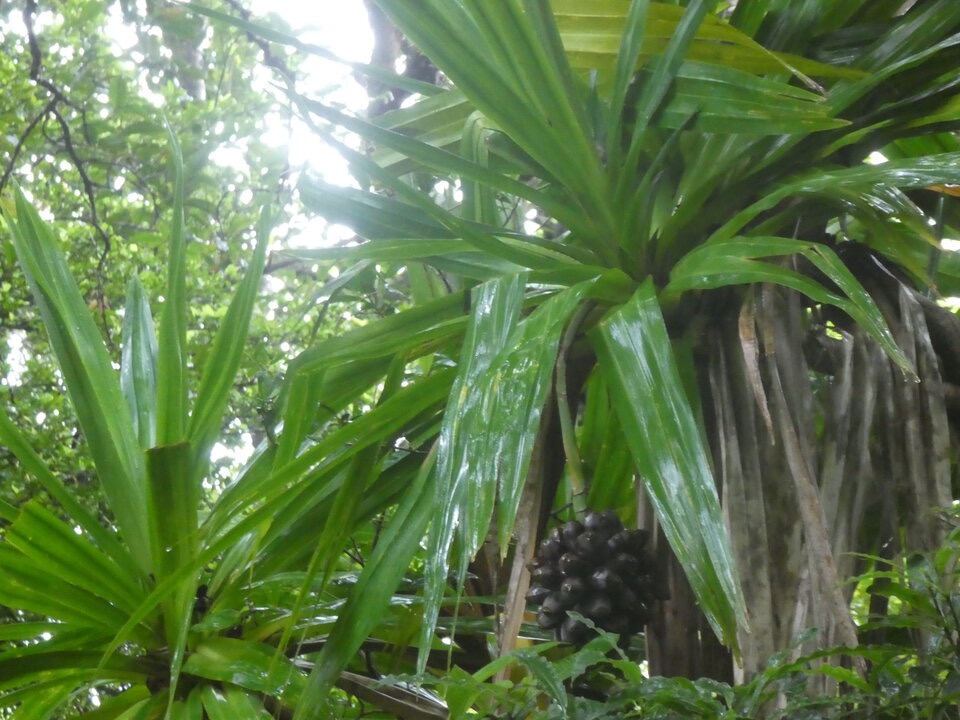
(90, 379)
(515, 390)
(655, 88)
(464, 501)
(231, 704)
(138, 364)
(172, 359)
(246, 665)
(225, 356)
(369, 215)
(491, 423)
(14, 440)
(173, 502)
(593, 31)
(33, 588)
(732, 262)
(70, 558)
(546, 674)
(938, 169)
(628, 55)
(730, 101)
(637, 361)
(376, 584)
(507, 59)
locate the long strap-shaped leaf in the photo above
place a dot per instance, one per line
(172, 504)
(14, 440)
(507, 58)
(138, 364)
(735, 262)
(225, 356)
(496, 308)
(376, 585)
(636, 358)
(90, 379)
(172, 360)
(491, 424)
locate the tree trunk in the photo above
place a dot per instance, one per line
(822, 464)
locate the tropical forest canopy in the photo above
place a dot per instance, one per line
(534, 350)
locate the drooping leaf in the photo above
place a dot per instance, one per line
(491, 423)
(380, 576)
(636, 358)
(734, 262)
(459, 486)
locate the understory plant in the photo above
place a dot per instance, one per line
(176, 602)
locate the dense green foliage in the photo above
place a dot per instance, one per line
(598, 246)
(88, 88)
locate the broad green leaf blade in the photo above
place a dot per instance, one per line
(32, 588)
(606, 457)
(138, 364)
(369, 215)
(172, 359)
(653, 92)
(173, 502)
(225, 356)
(547, 676)
(90, 378)
(464, 502)
(315, 467)
(231, 703)
(268, 495)
(729, 101)
(636, 358)
(733, 262)
(44, 701)
(379, 579)
(514, 391)
(416, 328)
(491, 422)
(479, 201)
(189, 709)
(665, 69)
(412, 145)
(592, 33)
(342, 517)
(505, 62)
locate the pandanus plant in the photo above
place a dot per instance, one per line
(716, 330)
(697, 246)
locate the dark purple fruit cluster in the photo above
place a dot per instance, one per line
(598, 569)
